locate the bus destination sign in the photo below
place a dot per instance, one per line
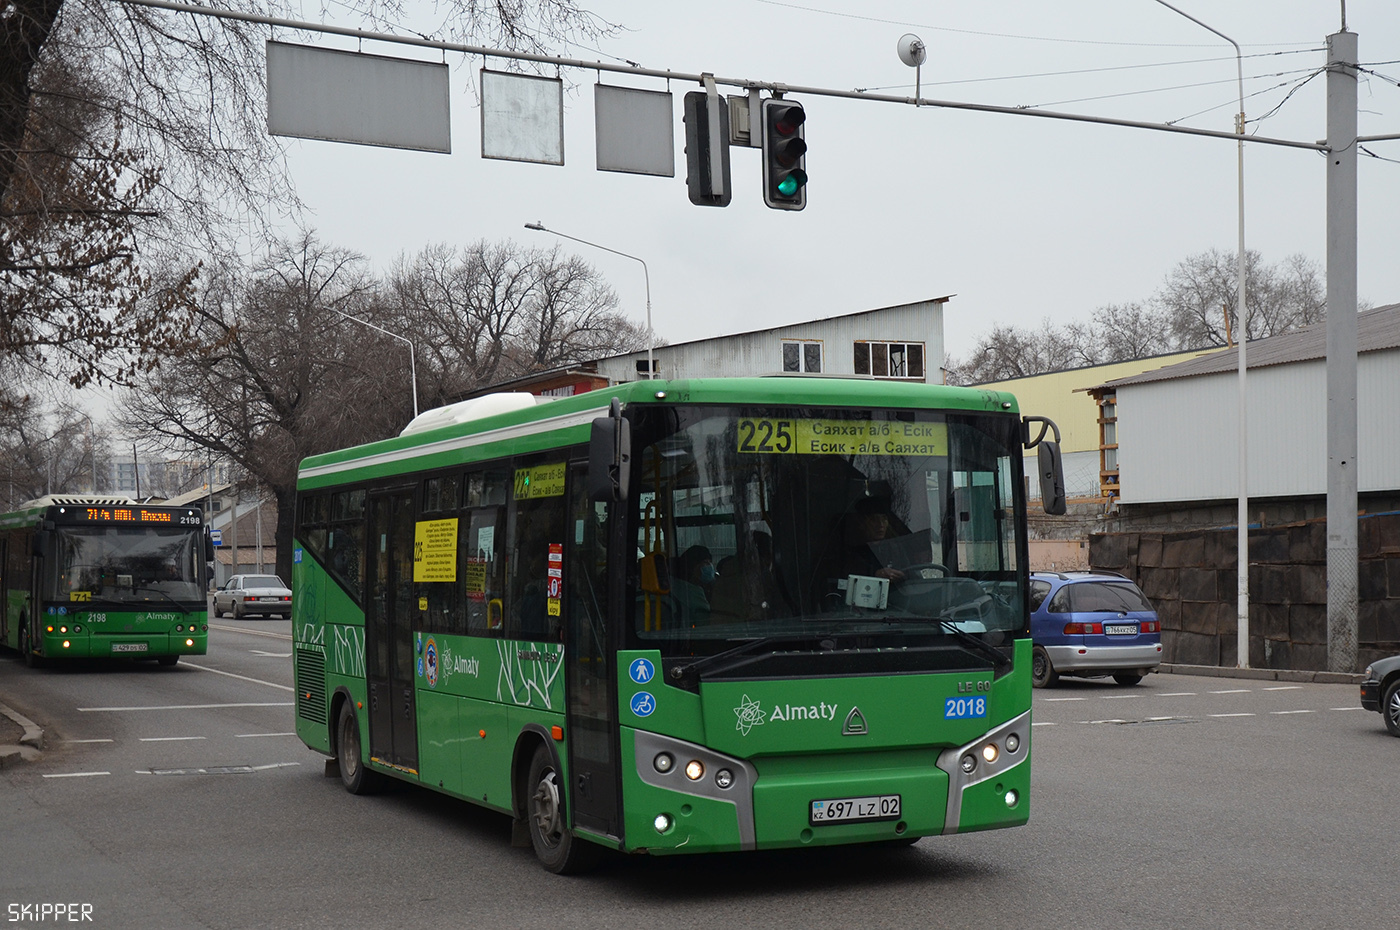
(144, 516)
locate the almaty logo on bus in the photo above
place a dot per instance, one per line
(751, 715)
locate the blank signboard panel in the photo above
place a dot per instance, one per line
(315, 93)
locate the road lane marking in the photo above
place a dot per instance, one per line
(77, 774)
(234, 629)
(255, 735)
(1232, 715)
(169, 739)
(256, 681)
(1178, 694)
(93, 710)
(1291, 711)
(1233, 691)
(1349, 708)
(273, 655)
(1052, 700)
(1284, 688)
(87, 741)
(1047, 724)
(1119, 697)
(1113, 720)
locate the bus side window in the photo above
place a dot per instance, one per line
(482, 577)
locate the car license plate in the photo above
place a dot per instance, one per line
(269, 599)
(856, 810)
(1120, 629)
(128, 647)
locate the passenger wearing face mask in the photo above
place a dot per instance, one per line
(694, 576)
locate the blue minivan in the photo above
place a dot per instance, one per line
(1091, 625)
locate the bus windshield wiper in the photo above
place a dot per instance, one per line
(693, 668)
(144, 587)
(974, 644)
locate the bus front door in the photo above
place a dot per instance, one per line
(590, 682)
(393, 729)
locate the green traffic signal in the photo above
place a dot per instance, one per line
(789, 185)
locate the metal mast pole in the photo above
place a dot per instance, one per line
(1341, 352)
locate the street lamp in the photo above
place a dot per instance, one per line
(412, 365)
(651, 364)
(1242, 635)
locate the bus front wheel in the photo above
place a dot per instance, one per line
(353, 775)
(31, 658)
(555, 845)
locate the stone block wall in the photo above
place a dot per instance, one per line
(1191, 578)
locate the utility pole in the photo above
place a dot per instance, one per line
(1341, 352)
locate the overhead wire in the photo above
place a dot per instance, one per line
(1006, 35)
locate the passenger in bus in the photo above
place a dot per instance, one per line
(746, 588)
(866, 525)
(695, 574)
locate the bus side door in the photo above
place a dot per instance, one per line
(590, 682)
(389, 613)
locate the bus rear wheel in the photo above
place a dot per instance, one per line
(555, 845)
(353, 775)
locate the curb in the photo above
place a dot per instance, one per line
(1263, 674)
(33, 735)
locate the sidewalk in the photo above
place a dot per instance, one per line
(21, 739)
(1263, 674)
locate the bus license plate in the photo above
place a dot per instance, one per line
(1121, 629)
(128, 647)
(856, 810)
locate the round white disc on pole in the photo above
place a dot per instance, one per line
(912, 50)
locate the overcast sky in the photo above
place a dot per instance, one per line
(1023, 219)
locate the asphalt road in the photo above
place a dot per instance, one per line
(178, 798)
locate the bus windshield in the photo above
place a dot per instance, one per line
(817, 522)
(125, 564)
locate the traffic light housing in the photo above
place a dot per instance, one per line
(784, 154)
(706, 153)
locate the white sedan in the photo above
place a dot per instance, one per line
(245, 595)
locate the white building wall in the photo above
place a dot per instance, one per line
(761, 352)
(1177, 439)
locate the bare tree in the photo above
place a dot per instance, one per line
(95, 94)
(1199, 298)
(1195, 308)
(490, 312)
(282, 374)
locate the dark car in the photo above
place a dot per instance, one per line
(1380, 691)
(247, 595)
(1091, 625)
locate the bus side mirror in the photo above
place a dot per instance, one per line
(1052, 477)
(1049, 463)
(208, 546)
(610, 456)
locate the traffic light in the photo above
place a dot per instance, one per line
(784, 155)
(707, 152)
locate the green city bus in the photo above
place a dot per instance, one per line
(681, 616)
(103, 576)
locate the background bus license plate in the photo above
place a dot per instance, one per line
(855, 810)
(964, 707)
(128, 647)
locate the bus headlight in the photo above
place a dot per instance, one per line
(968, 764)
(662, 823)
(694, 770)
(1013, 743)
(990, 752)
(724, 778)
(663, 762)
(189, 642)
